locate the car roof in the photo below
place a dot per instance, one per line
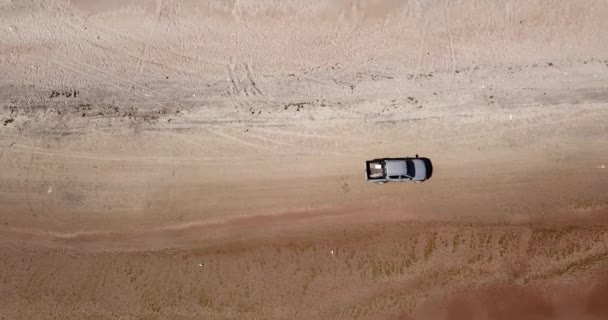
(396, 168)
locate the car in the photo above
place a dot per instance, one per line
(406, 169)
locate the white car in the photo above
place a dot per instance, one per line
(398, 170)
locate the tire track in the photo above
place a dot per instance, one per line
(298, 134)
(451, 44)
(123, 237)
(226, 136)
(242, 79)
(232, 76)
(140, 64)
(293, 146)
(190, 139)
(277, 142)
(108, 32)
(144, 54)
(111, 79)
(420, 49)
(20, 148)
(135, 57)
(252, 81)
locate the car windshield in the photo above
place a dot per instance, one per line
(411, 170)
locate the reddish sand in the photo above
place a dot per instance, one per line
(204, 159)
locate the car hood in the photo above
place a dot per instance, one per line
(420, 167)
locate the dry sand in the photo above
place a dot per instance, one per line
(204, 159)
